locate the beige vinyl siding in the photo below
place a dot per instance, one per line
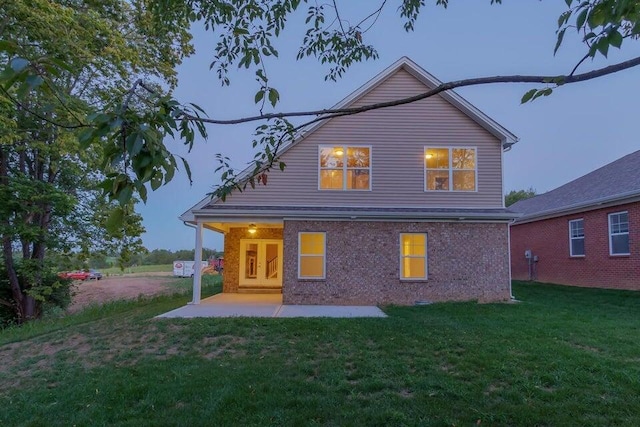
(397, 137)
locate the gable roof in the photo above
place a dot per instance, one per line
(615, 183)
(506, 138)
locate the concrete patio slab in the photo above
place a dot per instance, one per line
(330, 311)
(223, 310)
(266, 305)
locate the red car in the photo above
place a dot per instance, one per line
(75, 275)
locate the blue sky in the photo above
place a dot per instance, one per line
(579, 128)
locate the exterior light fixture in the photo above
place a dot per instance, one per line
(252, 228)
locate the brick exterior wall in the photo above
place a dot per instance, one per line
(231, 275)
(466, 261)
(549, 240)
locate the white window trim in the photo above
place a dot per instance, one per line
(345, 168)
(450, 148)
(324, 256)
(571, 238)
(426, 259)
(616, 234)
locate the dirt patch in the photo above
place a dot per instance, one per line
(115, 288)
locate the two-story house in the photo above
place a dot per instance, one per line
(391, 206)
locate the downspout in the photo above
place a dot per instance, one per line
(506, 146)
(509, 246)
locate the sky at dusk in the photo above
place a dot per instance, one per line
(579, 128)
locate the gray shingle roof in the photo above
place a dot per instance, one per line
(616, 180)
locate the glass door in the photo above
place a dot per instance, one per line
(261, 263)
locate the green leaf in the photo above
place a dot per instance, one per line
(115, 220)
(8, 46)
(169, 174)
(527, 96)
(274, 96)
(187, 168)
(125, 194)
(156, 181)
(559, 41)
(259, 96)
(615, 38)
(85, 136)
(603, 46)
(581, 19)
(142, 191)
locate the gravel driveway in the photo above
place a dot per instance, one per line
(114, 288)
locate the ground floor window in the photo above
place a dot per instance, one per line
(413, 256)
(619, 233)
(576, 237)
(311, 255)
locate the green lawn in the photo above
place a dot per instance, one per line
(562, 356)
(139, 269)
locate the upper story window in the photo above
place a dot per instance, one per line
(619, 233)
(342, 167)
(450, 169)
(576, 237)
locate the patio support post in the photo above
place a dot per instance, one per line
(197, 268)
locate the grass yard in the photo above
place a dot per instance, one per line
(139, 269)
(563, 356)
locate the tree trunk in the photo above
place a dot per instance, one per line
(30, 308)
(7, 250)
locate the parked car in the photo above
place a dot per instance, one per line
(76, 275)
(94, 274)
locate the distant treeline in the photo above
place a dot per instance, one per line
(154, 257)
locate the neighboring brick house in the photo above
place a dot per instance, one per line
(391, 206)
(585, 233)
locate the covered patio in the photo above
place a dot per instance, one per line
(266, 305)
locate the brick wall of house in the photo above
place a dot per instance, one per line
(549, 240)
(231, 275)
(466, 261)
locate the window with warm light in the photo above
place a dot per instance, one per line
(343, 167)
(413, 256)
(450, 169)
(311, 255)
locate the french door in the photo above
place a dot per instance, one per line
(260, 263)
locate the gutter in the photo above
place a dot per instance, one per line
(189, 225)
(360, 214)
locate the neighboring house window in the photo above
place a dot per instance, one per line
(413, 256)
(619, 233)
(576, 237)
(311, 255)
(450, 169)
(344, 168)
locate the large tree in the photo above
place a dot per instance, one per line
(514, 196)
(65, 60)
(245, 34)
(103, 45)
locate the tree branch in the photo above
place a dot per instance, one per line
(33, 113)
(329, 113)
